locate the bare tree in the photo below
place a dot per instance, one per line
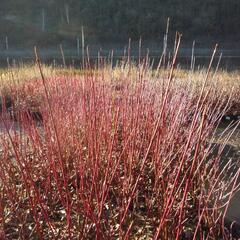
(43, 20)
(67, 13)
(6, 42)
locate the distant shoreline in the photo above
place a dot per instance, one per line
(230, 58)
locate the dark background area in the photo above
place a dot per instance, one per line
(110, 23)
(114, 21)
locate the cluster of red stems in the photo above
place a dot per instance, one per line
(114, 159)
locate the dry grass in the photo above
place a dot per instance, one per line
(224, 84)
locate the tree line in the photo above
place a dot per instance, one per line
(112, 20)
